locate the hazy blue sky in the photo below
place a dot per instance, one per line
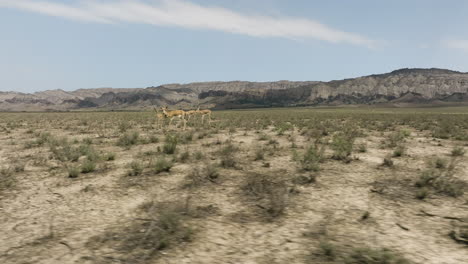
(51, 44)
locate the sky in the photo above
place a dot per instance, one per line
(72, 44)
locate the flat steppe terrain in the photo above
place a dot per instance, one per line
(290, 185)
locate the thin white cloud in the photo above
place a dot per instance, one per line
(53, 9)
(459, 44)
(189, 15)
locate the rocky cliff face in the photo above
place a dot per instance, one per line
(401, 87)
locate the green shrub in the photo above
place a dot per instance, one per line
(259, 154)
(153, 139)
(227, 156)
(88, 166)
(399, 151)
(311, 158)
(198, 176)
(362, 148)
(184, 156)
(374, 256)
(170, 145)
(440, 163)
(128, 139)
(18, 166)
(198, 155)
(136, 168)
(162, 165)
(73, 172)
(342, 145)
(109, 156)
(458, 151)
(328, 250)
(387, 161)
(396, 138)
(269, 189)
(187, 137)
(427, 178)
(422, 193)
(7, 179)
(263, 137)
(442, 181)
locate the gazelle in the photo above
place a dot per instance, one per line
(190, 113)
(204, 113)
(159, 117)
(173, 114)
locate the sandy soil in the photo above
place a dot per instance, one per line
(48, 217)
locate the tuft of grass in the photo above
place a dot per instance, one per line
(259, 154)
(198, 155)
(88, 166)
(374, 256)
(399, 151)
(136, 168)
(442, 181)
(440, 163)
(184, 156)
(422, 193)
(18, 166)
(158, 228)
(153, 139)
(311, 158)
(342, 146)
(162, 165)
(227, 156)
(458, 151)
(128, 139)
(387, 162)
(199, 176)
(395, 138)
(305, 179)
(362, 148)
(328, 249)
(170, 145)
(269, 190)
(263, 137)
(109, 156)
(73, 172)
(7, 179)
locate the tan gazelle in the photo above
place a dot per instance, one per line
(190, 113)
(204, 113)
(174, 114)
(159, 118)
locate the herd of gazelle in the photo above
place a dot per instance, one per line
(182, 115)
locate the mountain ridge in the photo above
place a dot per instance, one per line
(407, 86)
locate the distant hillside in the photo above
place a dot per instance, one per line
(404, 87)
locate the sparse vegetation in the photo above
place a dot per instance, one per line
(442, 180)
(160, 227)
(267, 173)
